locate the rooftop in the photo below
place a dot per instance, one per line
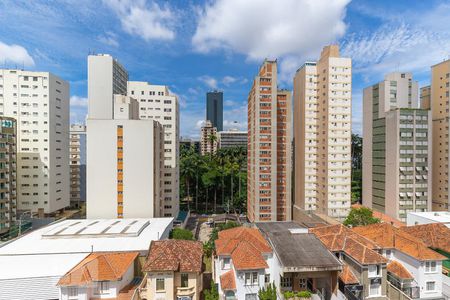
(227, 281)
(434, 235)
(175, 255)
(398, 270)
(387, 236)
(434, 216)
(297, 249)
(347, 276)
(99, 267)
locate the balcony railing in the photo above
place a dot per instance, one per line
(185, 291)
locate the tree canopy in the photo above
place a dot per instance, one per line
(360, 216)
(181, 234)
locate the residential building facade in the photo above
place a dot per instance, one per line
(397, 148)
(8, 173)
(208, 138)
(425, 97)
(39, 101)
(124, 164)
(214, 109)
(232, 138)
(77, 165)
(440, 86)
(322, 134)
(269, 148)
(173, 270)
(158, 104)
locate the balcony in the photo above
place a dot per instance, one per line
(185, 291)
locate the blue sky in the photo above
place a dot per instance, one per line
(196, 46)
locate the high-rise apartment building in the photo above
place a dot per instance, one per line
(322, 135)
(214, 109)
(440, 86)
(208, 138)
(39, 101)
(77, 165)
(269, 148)
(124, 164)
(396, 148)
(425, 97)
(157, 103)
(106, 78)
(8, 172)
(232, 138)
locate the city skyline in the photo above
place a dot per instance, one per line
(193, 59)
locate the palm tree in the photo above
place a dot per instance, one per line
(212, 139)
(187, 172)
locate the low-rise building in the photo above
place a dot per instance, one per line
(101, 275)
(32, 264)
(364, 275)
(418, 218)
(173, 271)
(422, 266)
(232, 138)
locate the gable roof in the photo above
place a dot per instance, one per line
(434, 235)
(227, 281)
(340, 238)
(399, 270)
(246, 247)
(174, 255)
(387, 236)
(347, 276)
(99, 266)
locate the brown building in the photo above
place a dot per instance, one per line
(440, 82)
(269, 148)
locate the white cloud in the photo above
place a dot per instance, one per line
(15, 54)
(227, 80)
(199, 124)
(148, 21)
(211, 82)
(259, 29)
(229, 103)
(227, 124)
(109, 39)
(76, 101)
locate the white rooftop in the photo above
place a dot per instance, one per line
(429, 217)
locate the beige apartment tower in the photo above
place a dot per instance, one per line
(322, 135)
(208, 138)
(396, 156)
(439, 95)
(269, 148)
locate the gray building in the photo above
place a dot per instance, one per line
(214, 109)
(397, 148)
(77, 165)
(232, 138)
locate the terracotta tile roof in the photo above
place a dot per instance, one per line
(435, 235)
(99, 266)
(227, 281)
(399, 270)
(340, 238)
(387, 236)
(383, 217)
(174, 255)
(347, 276)
(246, 247)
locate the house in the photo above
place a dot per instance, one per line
(173, 271)
(365, 271)
(101, 275)
(242, 263)
(421, 263)
(301, 262)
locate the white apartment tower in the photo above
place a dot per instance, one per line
(322, 135)
(158, 104)
(39, 101)
(397, 148)
(77, 165)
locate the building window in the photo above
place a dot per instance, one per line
(160, 284)
(430, 267)
(226, 263)
(375, 289)
(102, 287)
(251, 278)
(251, 297)
(267, 278)
(184, 280)
(431, 285)
(72, 292)
(285, 282)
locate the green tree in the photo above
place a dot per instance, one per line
(268, 293)
(181, 234)
(360, 216)
(212, 293)
(188, 170)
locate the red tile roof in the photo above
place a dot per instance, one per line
(99, 266)
(399, 270)
(387, 236)
(347, 276)
(246, 247)
(435, 235)
(340, 238)
(175, 255)
(227, 281)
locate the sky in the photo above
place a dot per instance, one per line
(198, 46)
